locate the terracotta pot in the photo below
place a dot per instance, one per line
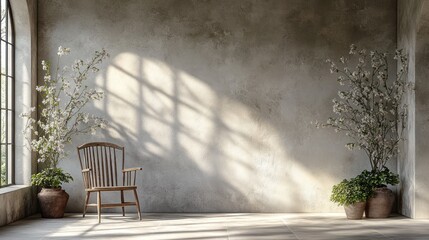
(380, 204)
(53, 201)
(355, 211)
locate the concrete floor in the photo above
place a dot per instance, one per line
(216, 226)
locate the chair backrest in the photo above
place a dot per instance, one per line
(99, 162)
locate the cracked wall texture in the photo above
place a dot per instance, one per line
(214, 99)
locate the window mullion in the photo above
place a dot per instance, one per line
(12, 103)
(6, 131)
(1, 97)
(7, 95)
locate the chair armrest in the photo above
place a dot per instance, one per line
(131, 169)
(86, 170)
(129, 176)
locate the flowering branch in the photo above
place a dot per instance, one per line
(370, 109)
(63, 98)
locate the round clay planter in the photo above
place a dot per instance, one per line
(380, 204)
(53, 201)
(355, 211)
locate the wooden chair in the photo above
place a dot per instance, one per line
(99, 162)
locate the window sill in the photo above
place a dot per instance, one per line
(13, 188)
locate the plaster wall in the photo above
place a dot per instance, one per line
(25, 17)
(408, 16)
(422, 114)
(214, 99)
(413, 32)
(17, 202)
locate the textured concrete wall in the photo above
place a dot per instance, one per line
(214, 99)
(413, 32)
(408, 15)
(422, 114)
(25, 19)
(16, 202)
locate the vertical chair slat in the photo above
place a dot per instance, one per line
(108, 154)
(94, 162)
(103, 176)
(85, 154)
(123, 160)
(99, 169)
(90, 164)
(81, 166)
(116, 167)
(106, 169)
(111, 166)
(82, 154)
(100, 183)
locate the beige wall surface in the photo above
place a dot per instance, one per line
(408, 17)
(413, 165)
(214, 99)
(422, 114)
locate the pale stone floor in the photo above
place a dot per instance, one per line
(216, 226)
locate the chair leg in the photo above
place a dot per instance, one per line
(88, 194)
(99, 206)
(122, 201)
(137, 204)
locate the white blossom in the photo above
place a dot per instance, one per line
(64, 96)
(44, 65)
(63, 51)
(371, 113)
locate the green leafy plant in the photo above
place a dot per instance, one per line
(349, 192)
(376, 178)
(50, 178)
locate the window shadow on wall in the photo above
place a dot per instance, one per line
(201, 151)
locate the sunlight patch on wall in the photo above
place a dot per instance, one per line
(182, 121)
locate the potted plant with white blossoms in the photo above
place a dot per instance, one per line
(64, 95)
(370, 110)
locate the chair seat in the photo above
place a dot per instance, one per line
(111, 188)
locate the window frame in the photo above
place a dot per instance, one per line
(9, 106)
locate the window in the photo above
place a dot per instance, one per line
(7, 89)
